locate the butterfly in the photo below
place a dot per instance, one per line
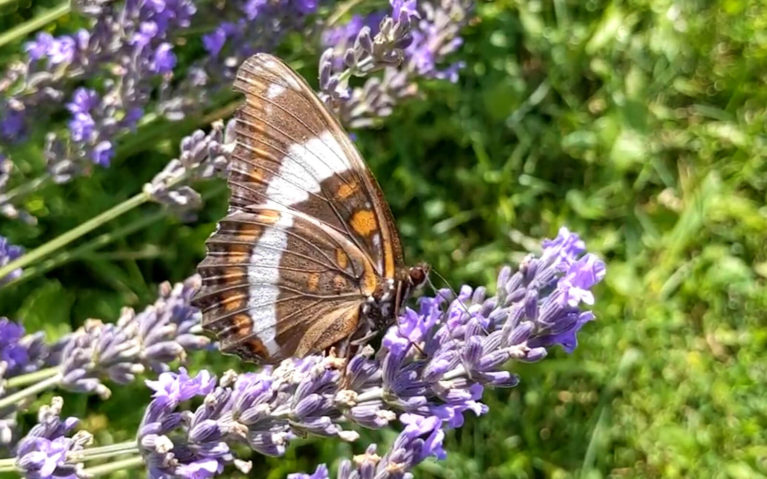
(308, 256)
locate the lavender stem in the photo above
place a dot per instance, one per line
(84, 228)
(30, 391)
(113, 466)
(102, 452)
(35, 23)
(26, 188)
(29, 378)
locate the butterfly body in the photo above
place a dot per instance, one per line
(308, 255)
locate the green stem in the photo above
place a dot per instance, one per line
(75, 233)
(24, 379)
(103, 452)
(33, 24)
(342, 10)
(26, 188)
(8, 465)
(99, 241)
(30, 391)
(114, 466)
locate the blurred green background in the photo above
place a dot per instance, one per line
(639, 125)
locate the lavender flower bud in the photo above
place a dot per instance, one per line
(202, 156)
(8, 253)
(163, 332)
(45, 450)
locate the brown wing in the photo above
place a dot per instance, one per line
(291, 151)
(278, 283)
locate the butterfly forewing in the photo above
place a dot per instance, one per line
(290, 150)
(308, 238)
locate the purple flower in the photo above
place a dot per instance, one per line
(8, 253)
(412, 42)
(175, 388)
(13, 355)
(320, 473)
(164, 59)
(404, 10)
(11, 124)
(103, 153)
(83, 101)
(146, 33)
(202, 156)
(39, 47)
(160, 334)
(213, 42)
(43, 452)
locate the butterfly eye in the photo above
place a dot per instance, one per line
(418, 275)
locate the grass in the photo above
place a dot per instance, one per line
(639, 124)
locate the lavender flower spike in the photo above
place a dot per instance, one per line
(151, 339)
(44, 452)
(432, 369)
(409, 44)
(8, 253)
(202, 156)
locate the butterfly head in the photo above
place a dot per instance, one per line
(418, 275)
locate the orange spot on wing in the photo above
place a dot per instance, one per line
(341, 258)
(346, 190)
(269, 216)
(257, 175)
(364, 222)
(232, 301)
(248, 232)
(314, 280)
(369, 280)
(243, 325)
(339, 283)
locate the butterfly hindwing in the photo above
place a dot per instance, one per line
(277, 283)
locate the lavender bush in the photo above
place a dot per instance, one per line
(431, 370)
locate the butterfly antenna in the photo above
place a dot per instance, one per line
(449, 286)
(455, 295)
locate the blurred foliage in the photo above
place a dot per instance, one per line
(639, 124)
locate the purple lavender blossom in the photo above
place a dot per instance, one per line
(202, 156)
(8, 253)
(160, 334)
(43, 452)
(246, 27)
(431, 371)
(20, 353)
(418, 47)
(13, 355)
(128, 47)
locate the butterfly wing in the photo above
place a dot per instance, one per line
(278, 283)
(292, 151)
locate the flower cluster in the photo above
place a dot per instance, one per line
(412, 42)
(8, 253)
(163, 332)
(19, 353)
(46, 450)
(202, 156)
(245, 27)
(129, 47)
(432, 369)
